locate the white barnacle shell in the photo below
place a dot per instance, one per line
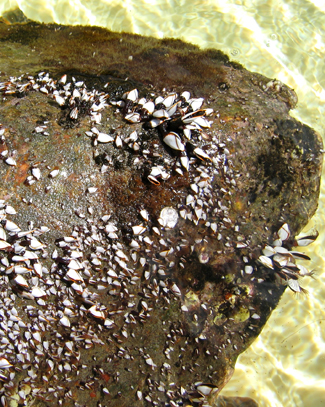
(11, 227)
(266, 261)
(175, 290)
(10, 210)
(196, 103)
(65, 321)
(206, 389)
(249, 269)
(36, 244)
(131, 95)
(96, 313)
(10, 161)
(104, 138)
(294, 286)
(59, 99)
(201, 154)
(37, 292)
(174, 141)
(108, 323)
(268, 251)
(284, 232)
(168, 217)
(54, 173)
(138, 230)
(201, 121)
(4, 245)
(21, 281)
(186, 95)
(161, 114)
(133, 117)
(73, 275)
(4, 364)
(149, 106)
(145, 215)
(185, 162)
(169, 100)
(150, 362)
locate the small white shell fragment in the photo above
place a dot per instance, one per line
(174, 141)
(150, 362)
(249, 269)
(303, 271)
(92, 190)
(169, 100)
(110, 227)
(168, 217)
(54, 173)
(255, 316)
(36, 173)
(190, 199)
(10, 161)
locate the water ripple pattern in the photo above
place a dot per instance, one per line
(282, 40)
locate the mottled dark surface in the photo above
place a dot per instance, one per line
(265, 171)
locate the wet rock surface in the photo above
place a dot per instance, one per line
(150, 282)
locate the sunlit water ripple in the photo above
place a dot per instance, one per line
(279, 39)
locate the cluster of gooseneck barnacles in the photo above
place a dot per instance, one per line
(282, 260)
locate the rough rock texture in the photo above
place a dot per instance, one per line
(186, 299)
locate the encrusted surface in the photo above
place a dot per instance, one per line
(183, 302)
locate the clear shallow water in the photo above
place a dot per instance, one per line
(280, 39)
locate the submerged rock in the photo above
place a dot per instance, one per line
(161, 172)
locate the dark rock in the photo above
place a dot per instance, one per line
(182, 310)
